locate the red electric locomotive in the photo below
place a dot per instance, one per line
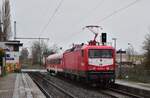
(90, 62)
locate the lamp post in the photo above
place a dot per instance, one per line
(114, 39)
(131, 52)
(15, 30)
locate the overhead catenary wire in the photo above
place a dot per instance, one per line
(51, 17)
(83, 19)
(118, 10)
(110, 15)
(99, 4)
(70, 37)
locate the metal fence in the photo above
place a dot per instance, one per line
(134, 73)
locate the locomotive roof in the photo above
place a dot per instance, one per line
(97, 46)
(79, 47)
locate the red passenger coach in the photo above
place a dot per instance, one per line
(54, 63)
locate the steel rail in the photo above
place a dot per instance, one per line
(126, 93)
(54, 85)
(115, 93)
(41, 88)
(112, 92)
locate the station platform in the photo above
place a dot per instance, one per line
(139, 85)
(142, 89)
(33, 70)
(19, 85)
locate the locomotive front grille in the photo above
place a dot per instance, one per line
(101, 75)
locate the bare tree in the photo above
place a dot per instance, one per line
(51, 50)
(35, 50)
(146, 47)
(54, 49)
(24, 55)
(131, 54)
(5, 22)
(38, 48)
(1, 22)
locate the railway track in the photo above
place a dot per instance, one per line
(112, 91)
(125, 93)
(71, 89)
(119, 93)
(50, 89)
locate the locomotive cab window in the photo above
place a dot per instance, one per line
(100, 53)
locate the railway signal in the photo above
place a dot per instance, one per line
(104, 38)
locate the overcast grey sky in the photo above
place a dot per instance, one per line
(128, 26)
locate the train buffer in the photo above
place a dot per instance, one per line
(19, 85)
(142, 89)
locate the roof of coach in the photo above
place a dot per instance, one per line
(74, 48)
(55, 56)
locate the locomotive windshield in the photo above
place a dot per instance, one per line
(100, 53)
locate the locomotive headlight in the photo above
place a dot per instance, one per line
(111, 68)
(94, 68)
(107, 68)
(90, 61)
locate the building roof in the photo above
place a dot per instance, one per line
(13, 42)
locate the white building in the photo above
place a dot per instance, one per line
(11, 54)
